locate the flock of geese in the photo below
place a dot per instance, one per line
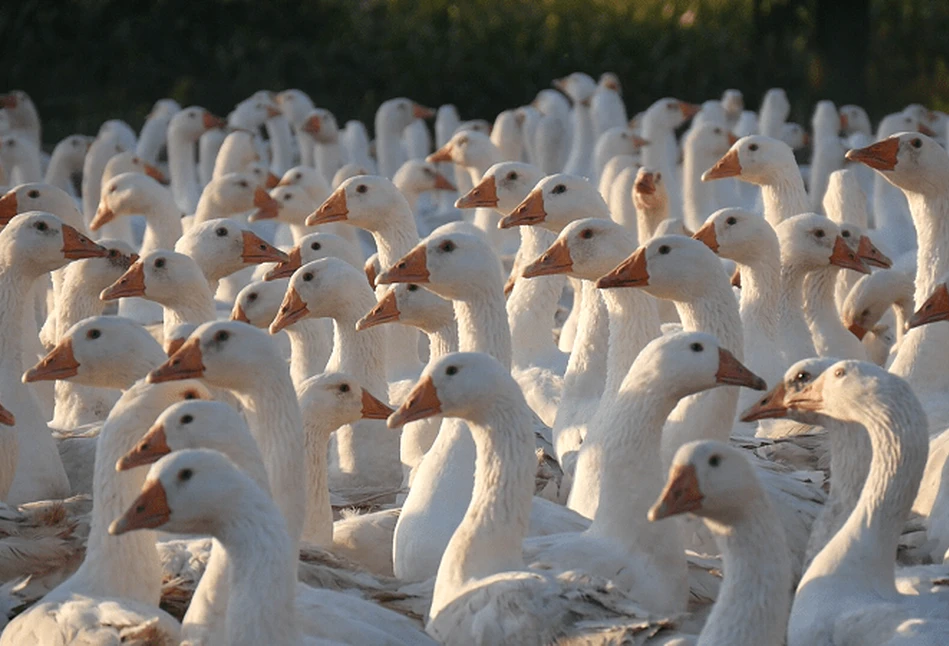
(575, 315)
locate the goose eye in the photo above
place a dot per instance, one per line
(33, 194)
(187, 419)
(448, 246)
(113, 189)
(839, 372)
(664, 249)
(820, 233)
(714, 460)
(191, 394)
(451, 370)
(865, 312)
(718, 131)
(412, 287)
(657, 177)
(222, 336)
(93, 334)
(113, 253)
(344, 388)
(242, 183)
(221, 232)
(802, 376)
(753, 147)
(586, 234)
(696, 347)
(316, 246)
(252, 297)
(512, 176)
(41, 226)
(307, 277)
(184, 475)
(731, 220)
(917, 143)
(845, 234)
(362, 188)
(288, 197)
(192, 115)
(159, 263)
(298, 176)
(558, 189)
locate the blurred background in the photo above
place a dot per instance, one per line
(85, 61)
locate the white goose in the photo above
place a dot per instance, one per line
(606, 106)
(184, 131)
(871, 298)
(391, 118)
(659, 123)
(702, 147)
(67, 160)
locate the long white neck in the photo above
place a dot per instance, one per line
(442, 341)
(490, 536)
(581, 149)
(327, 157)
(699, 199)
(162, 226)
(281, 144)
(634, 322)
(648, 220)
(59, 172)
(532, 305)
(193, 305)
(318, 527)
(388, 147)
(585, 377)
(183, 170)
(793, 332)
(311, 343)
(755, 598)
(715, 312)
(622, 209)
(760, 293)
(361, 354)
(784, 197)
(482, 323)
(831, 339)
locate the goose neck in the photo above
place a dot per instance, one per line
(793, 328)
(318, 526)
(182, 168)
(162, 226)
(194, 305)
(714, 312)
(760, 292)
(482, 324)
(308, 348)
(442, 341)
(784, 196)
(634, 322)
(361, 354)
(931, 217)
(398, 237)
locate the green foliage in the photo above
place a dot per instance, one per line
(85, 61)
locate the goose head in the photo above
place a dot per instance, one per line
(364, 201)
(129, 162)
(811, 242)
(73, 149)
(416, 177)
(502, 187)
(395, 114)
(337, 399)
(220, 247)
(755, 159)
(310, 180)
(20, 107)
(556, 201)
(671, 113)
(16, 149)
(129, 194)
(95, 274)
(260, 171)
(36, 242)
(936, 307)
(672, 267)
(709, 140)
(195, 424)
(294, 204)
(251, 114)
(101, 351)
(192, 122)
(321, 124)
(708, 479)
(467, 148)
(229, 354)
(578, 86)
(235, 193)
(320, 289)
(795, 136)
(586, 249)
(854, 119)
(826, 120)
(161, 276)
(776, 102)
(409, 304)
(738, 234)
(620, 140)
(908, 160)
(842, 391)
(295, 104)
(258, 303)
(872, 296)
(610, 81)
(346, 171)
(315, 246)
(37, 196)
(552, 103)
(796, 378)
(449, 264)
(734, 103)
(649, 191)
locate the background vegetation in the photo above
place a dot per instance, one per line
(84, 61)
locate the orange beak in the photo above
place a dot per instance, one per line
(728, 166)
(103, 216)
(422, 403)
(926, 130)
(443, 154)
(680, 495)
(150, 510)
(732, 372)
(267, 207)
(843, 256)
(271, 181)
(530, 211)
(879, 156)
(413, 268)
(372, 408)
(732, 139)
(334, 209)
(706, 235)
(632, 272)
(185, 363)
(645, 184)
(286, 267)
(257, 250)
(844, 121)
(312, 125)
(77, 246)
(770, 407)
(8, 207)
(60, 363)
(385, 311)
(291, 310)
(211, 121)
(421, 112)
(556, 260)
(6, 417)
(237, 314)
(857, 330)
(132, 283)
(442, 183)
(936, 308)
(155, 174)
(689, 110)
(484, 195)
(150, 449)
(868, 253)
(736, 278)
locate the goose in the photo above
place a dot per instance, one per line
(846, 203)
(482, 573)
(257, 304)
(66, 161)
(795, 136)
(853, 575)
(280, 140)
(322, 132)
(153, 138)
(173, 280)
(416, 177)
(611, 170)
(184, 131)
(769, 164)
(22, 159)
(314, 246)
(828, 153)
(506, 135)
(645, 560)
(659, 123)
(313, 182)
(701, 148)
(363, 454)
(230, 194)
(31, 245)
(101, 150)
(607, 109)
(918, 166)
(117, 588)
(122, 130)
(872, 297)
(716, 482)
(615, 141)
(265, 604)
(773, 112)
(296, 105)
(391, 118)
(733, 101)
(239, 150)
(651, 199)
(854, 119)
(23, 115)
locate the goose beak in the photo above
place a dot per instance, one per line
(632, 272)
(936, 308)
(728, 166)
(808, 398)
(509, 285)
(645, 184)
(60, 363)
(185, 363)
(257, 250)
(285, 268)
(413, 268)
(443, 154)
(732, 138)
(77, 246)
(132, 283)
(442, 183)
(150, 510)
(680, 495)
(844, 256)
(373, 408)
(639, 142)
(173, 345)
(334, 209)
(212, 121)
(732, 372)
(879, 156)
(857, 330)
(271, 181)
(371, 275)
(484, 195)
(769, 407)
(706, 235)
(8, 207)
(155, 174)
(7, 417)
(150, 449)
(689, 110)
(291, 310)
(312, 125)
(556, 260)
(237, 314)
(530, 211)
(868, 253)
(736, 278)
(267, 207)
(422, 402)
(273, 111)
(385, 311)
(926, 130)
(422, 112)
(844, 122)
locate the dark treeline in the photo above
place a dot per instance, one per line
(85, 61)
